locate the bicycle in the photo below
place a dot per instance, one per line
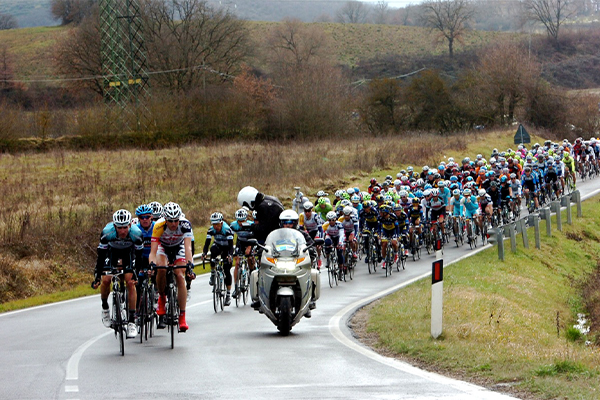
(349, 261)
(403, 253)
(118, 315)
(146, 308)
(332, 265)
(415, 246)
(243, 279)
(458, 230)
(172, 304)
(218, 289)
(371, 250)
(390, 255)
(569, 185)
(471, 233)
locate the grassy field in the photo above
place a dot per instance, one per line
(56, 203)
(507, 325)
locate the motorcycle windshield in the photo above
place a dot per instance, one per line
(285, 242)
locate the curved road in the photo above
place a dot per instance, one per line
(62, 351)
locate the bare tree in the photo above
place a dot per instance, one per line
(381, 12)
(71, 11)
(353, 12)
(8, 21)
(188, 37)
(293, 45)
(78, 55)
(550, 13)
(449, 17)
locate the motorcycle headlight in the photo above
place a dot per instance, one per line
(287, 265)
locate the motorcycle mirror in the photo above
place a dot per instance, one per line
(254, 242)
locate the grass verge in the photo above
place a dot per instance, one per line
(506, 324)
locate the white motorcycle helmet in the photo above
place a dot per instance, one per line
(247, 197)
(288, 217)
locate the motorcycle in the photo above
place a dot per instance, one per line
(285, 284)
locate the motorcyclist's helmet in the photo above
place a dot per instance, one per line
(247, 197)
(288, 217)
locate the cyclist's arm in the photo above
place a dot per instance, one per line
(187, 244)
(153, 250)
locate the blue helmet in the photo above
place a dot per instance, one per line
(143, 209)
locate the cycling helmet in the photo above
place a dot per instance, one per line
(366, 203)
(441, 184)
(399, 174)
(415, 200)
(550, 159)
(467, 192)
(397, 207)
(321, 193)
(513, 175)
(482, 192)
(427, 192)
(345, 195)
(454, 178)
(121, 218)
(503, 179)
(402, 172)
(322, 201)
(456, 192)
(494, 184)
(157, 209)
(427, 186)
(410, 168)
(387, 198)
(441, 167)
(346, 203)
(143, 209)
(373, 181)
(426, 168)
(350, 191)
(385, 183)
(216, 218)
(355, 199)
(338, 193)
(331, 215)
(241, 214)
(420, 182)
(419, 193)
(493, 160)
(348, 210)
(288, 217)
(388, 178)
(397, 182)
(379, 198)
(172, 211)
(308, 206)
(376, 189)
(247, 197)
(403, 193)
(435, 192)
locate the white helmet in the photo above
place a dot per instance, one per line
(348, 210)
(241, 214)
(456, 192)
(157, 209)
(288, 217)
(441, 184)
(216, 218)
(435, 192)
(397, 182)
(308, 205)
(321, 193)
(346, 203)
(467, 192)
(355, 198)
(122, 218)
(172, 211)
(247, 197)
(350, 191)
(331, 215)
(338, 193)
(482, 192)
(426, 192)
(403, 193)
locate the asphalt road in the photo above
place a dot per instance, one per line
(62, 351)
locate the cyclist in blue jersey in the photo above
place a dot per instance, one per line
(223, 246)
(121, 246)
(243, 229)
(146, 225)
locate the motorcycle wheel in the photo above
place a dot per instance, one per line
(284, 324)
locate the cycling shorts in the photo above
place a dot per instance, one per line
(174, 254)
(471, 214)
(389, 235)
(435, 214)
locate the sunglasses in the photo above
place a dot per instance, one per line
(122, 227)
(172, 220)
(144, 217)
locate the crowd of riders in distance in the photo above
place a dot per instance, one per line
(392, 210)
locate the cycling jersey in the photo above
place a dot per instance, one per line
(168, 238)
(334, 230)
(312, 223)
(147, 237)
(243, 231)
(471, 206)
(457, 206)
(350, 225)
(114, 251)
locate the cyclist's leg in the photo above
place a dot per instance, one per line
(131, 293)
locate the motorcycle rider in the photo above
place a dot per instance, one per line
(268, 208)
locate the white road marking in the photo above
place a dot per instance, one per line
(71, 389)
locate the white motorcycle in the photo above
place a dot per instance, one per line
(285, 283)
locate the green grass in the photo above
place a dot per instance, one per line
(500, 318)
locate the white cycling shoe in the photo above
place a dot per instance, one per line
(106, 318)
(131, 330)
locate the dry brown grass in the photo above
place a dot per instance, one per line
(55, 204)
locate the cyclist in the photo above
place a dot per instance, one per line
(334, 236)
(349, 220)
(222, 246)
(506, 194)
(438, 210)
(369, 221)
(323, 207)
(389, 231)
(243, 230)
(146, 226)
(313, 224)
(172, 243)
(403, 224)
(121, 246)
(551, 179)
(570, 167)
(486, 206)
(530, 185)
(471, 208)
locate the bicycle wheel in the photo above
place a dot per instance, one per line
(216, 295)
(142, 313)
(389, 266)
(118, 320)
(330, 269)
(238, 284)
(221, 289)
(152, 317)
(245, 285)
(351, 269)
(371, 255)
(172, 318)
